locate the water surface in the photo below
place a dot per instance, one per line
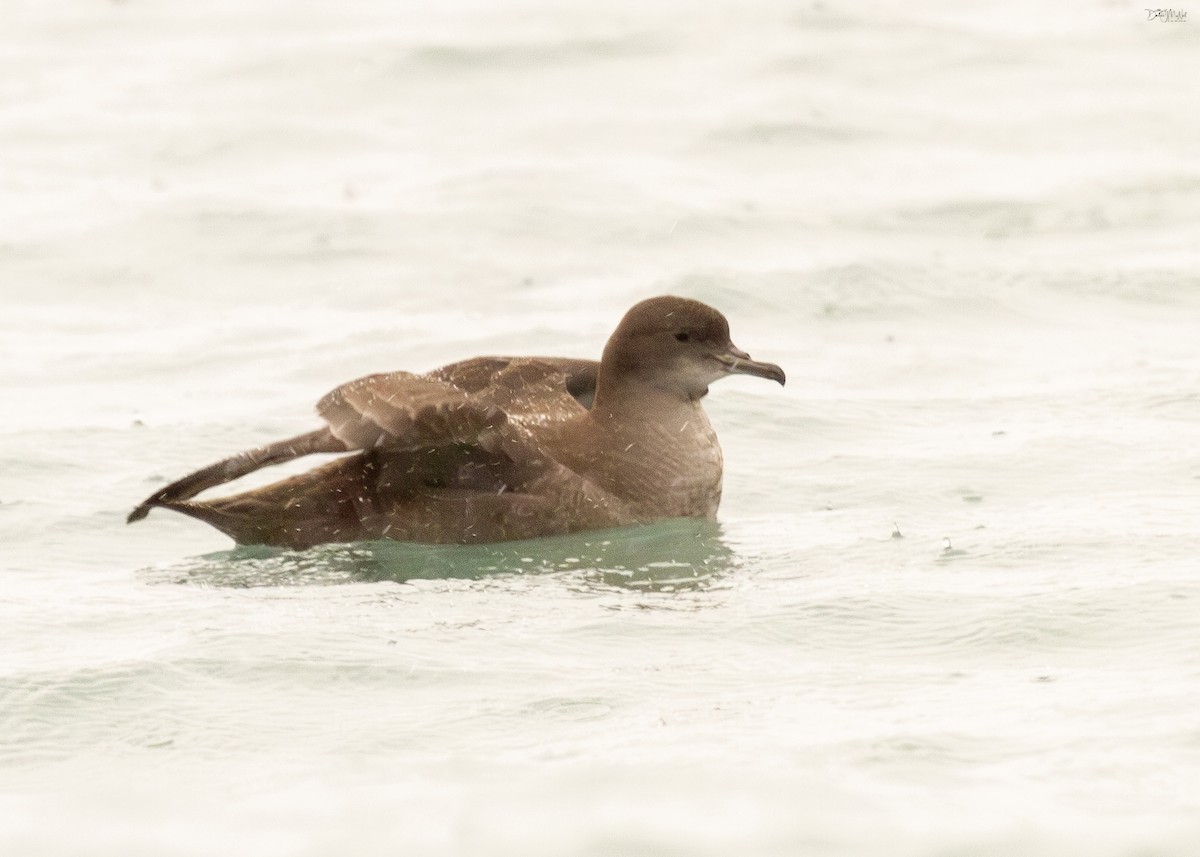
(951, 605)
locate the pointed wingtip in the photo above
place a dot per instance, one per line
(138, 513)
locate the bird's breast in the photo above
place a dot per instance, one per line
(663, 468)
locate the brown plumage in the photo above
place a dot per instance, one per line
(497, 448)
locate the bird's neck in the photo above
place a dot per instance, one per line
(630, 403)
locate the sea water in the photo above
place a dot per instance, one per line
(952, 605)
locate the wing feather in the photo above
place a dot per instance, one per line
(457, 403)
(526, 388)
(400, 410)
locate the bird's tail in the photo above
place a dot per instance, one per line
(237, 466)
(327, 504)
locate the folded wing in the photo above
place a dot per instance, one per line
(399, 410)
(492, 404)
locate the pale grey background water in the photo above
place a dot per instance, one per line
(969, 233)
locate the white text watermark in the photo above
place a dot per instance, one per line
(1167, 16)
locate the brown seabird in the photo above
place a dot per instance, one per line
(497, 448)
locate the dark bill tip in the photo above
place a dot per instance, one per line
(739, 363)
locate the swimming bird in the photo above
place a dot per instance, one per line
(498, 448)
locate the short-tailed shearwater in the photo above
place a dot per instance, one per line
(498, 448)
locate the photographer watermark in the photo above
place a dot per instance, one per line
(1167, 16)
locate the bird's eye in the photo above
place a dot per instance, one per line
(682, 336)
